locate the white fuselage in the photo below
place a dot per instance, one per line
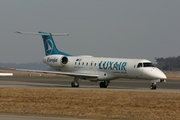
(95, 68)
(105, 68)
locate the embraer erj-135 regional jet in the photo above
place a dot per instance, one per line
(95, 68)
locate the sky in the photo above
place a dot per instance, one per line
(101, 28)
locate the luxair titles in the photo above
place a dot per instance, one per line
(103, 65)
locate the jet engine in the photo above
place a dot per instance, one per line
(56, 60)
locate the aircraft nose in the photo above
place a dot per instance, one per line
(155, 73)
(158, 74)
(162, 75)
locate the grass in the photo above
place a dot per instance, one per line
(172, 75)
(92, 104)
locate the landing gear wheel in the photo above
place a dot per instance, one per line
(103, 85)
(153, 87)
(74, 84)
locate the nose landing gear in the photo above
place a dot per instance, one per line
(153, 85)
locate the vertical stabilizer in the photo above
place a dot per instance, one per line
(49, 45)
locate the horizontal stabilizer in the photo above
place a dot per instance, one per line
(43, 33)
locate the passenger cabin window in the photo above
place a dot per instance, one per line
(148, 65)
(139, 65)
(95, 64)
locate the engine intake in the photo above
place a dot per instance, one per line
(64, 60)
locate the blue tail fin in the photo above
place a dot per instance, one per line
(49, 45)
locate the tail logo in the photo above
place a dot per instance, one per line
(48, 46)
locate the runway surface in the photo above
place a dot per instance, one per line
(118, 84)
(64, 83)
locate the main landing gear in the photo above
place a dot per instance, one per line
(75, 82)
(153, 83)
(104, 84)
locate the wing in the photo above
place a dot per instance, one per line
(62, 73)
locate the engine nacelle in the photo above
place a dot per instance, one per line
(56, 60)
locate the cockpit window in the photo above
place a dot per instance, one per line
(139, 65)
(148, 65)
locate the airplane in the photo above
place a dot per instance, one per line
(95, 69)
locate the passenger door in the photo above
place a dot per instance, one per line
(139, 70)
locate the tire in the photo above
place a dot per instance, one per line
(153, 87)
(102, 85)
(72, 84)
